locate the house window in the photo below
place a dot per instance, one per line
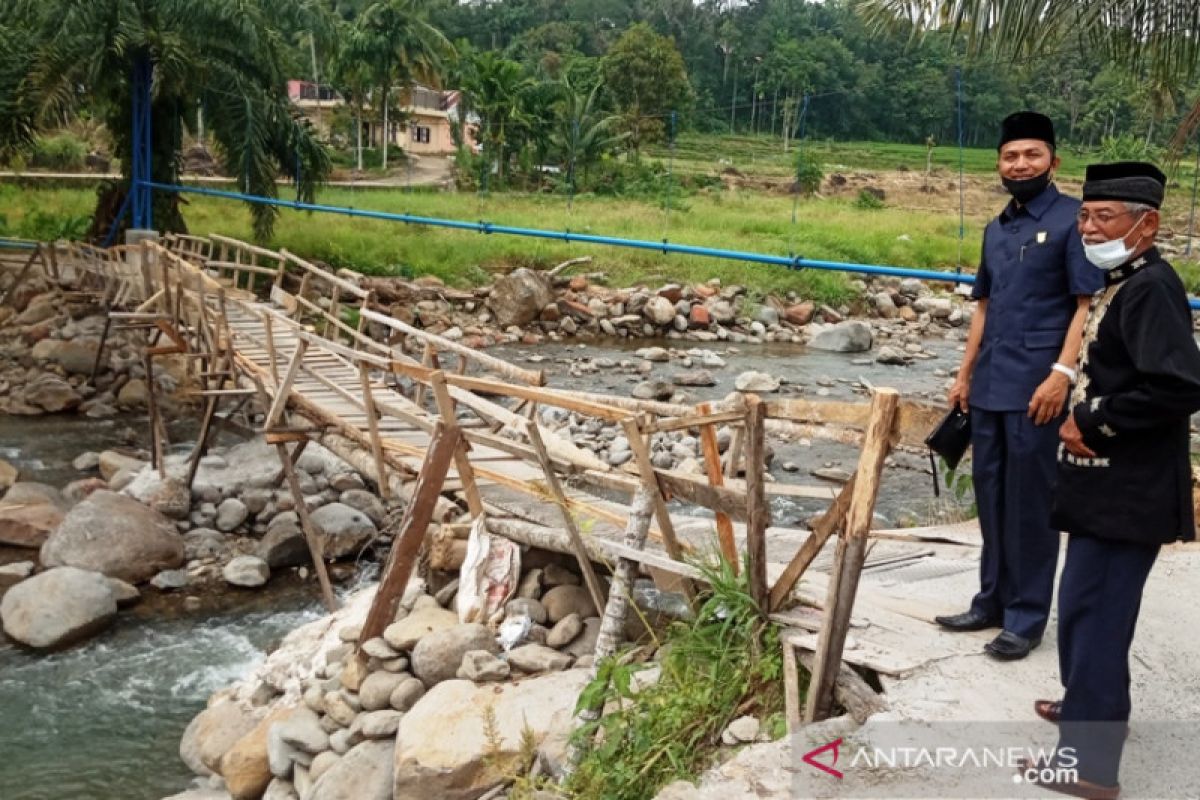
(421, 134)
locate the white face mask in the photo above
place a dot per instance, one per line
(1111, 254)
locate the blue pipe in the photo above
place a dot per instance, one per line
(791, 262)
(13, 244)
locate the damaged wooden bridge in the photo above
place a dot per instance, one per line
(457, 436)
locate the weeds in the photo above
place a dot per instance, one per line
(725, 663)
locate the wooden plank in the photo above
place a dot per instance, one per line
(641, 454)
(373, 430)
(758, 512)
(700, 420)
(850, 555)
(548, 397)
(462, 459)
(411, 533)
(914, 420)
(712, 466)
(560, 500)
(285, 387)
(829, 523)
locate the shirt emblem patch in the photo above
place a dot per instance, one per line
(1041, 237)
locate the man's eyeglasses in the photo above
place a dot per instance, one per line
(1100, 217)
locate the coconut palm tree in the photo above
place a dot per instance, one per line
(231, 58)
(399, 45)
(584, 132)
(1158, 38)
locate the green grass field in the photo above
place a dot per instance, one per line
(824, 229)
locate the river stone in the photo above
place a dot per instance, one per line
(558, 575)
(126, 594)
(280, 754)
(284, 546)
(378, 724)
(33, 493)
(530, 608)
(752, 381)
(364, 773)
(694, 377)
(406, 695)
(51, 394)
(463, 762)
(58, 607)
(405, 634)
(585, 643)
(281, 789)
(8, 475)
(211, 733)
(346, 481)
(741, 730)
(321, 764)
(379, 648)
(531, 585)
(112, 461)
(562, 601)
(231, 514)
(892, 356)
(245, 766)
(437, 656)
(338, 708)
(659, 310)
(364, 501)
(170, 579)
(133, 394)
(537, 658)
(302, 730)
(844, 337)
(75, 491)
(24, 525)
(344, 529)
(565, 631)
(168, 496)
(203, 543)
(518, 297)
(75, 356)
(480, 665)
(12, 574)
(340, 741)
(247, 571)
(376, 690)
(653, 390)
(116, 535)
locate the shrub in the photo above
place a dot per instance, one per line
(809, 172)
(60, 152)
(868, 200)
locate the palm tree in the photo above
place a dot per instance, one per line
(1154, 37)
(584, 133)
(231, 58)
(498, 88)
(395, 39)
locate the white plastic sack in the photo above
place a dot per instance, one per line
(489, 576)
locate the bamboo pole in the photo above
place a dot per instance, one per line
(712, 466)
(368, 401)
(758, 512)
(462, 459)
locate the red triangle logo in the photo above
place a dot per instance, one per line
(810, 758)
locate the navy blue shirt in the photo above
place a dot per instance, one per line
(1031, 272)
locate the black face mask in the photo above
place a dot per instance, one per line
(1026, 189)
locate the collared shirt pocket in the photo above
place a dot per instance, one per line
(1045, 339)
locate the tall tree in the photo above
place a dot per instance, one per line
(397, 40)
(229, 57)
(498, 90)
(644, 72)
(584, 132)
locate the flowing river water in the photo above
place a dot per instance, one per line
(102, 721)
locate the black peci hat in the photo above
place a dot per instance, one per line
(1026, 125)
(1128, 181)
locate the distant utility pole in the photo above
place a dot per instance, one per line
(733, 101)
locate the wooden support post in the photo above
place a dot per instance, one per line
(757, 512)
(311, 537)
(641, 454)
(210, 410)
(735, 452)
(279, 402)
(850, 555)
(411, 534)
(100, 349)
(560, 499)
(462, 459)
(157, 432)
(270, 333)
(364, 377)
(830, 522)
(712, 465)
(428, 359)
(12, 287)
(612, 624)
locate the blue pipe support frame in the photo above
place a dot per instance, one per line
(139, 188)
(665, 247)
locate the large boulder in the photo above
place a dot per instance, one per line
(168, 496)
(34, 493)
(115, 535)
(58, 607)
(844, 337)
(245, 766)
(463, 762)
(75, 356)
(8, 475)
(343, 530)
(437, 657)
(52, 394)
(405, 634)
(28, 525)
(283, 545)
(364, 773)
(211, 733)
(518, 297)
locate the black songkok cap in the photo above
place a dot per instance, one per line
(1026, 125)
(1128, 181)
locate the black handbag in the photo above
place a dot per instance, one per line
(950, 440)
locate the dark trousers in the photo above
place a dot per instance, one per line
(1098, 602)
(1014, 464)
